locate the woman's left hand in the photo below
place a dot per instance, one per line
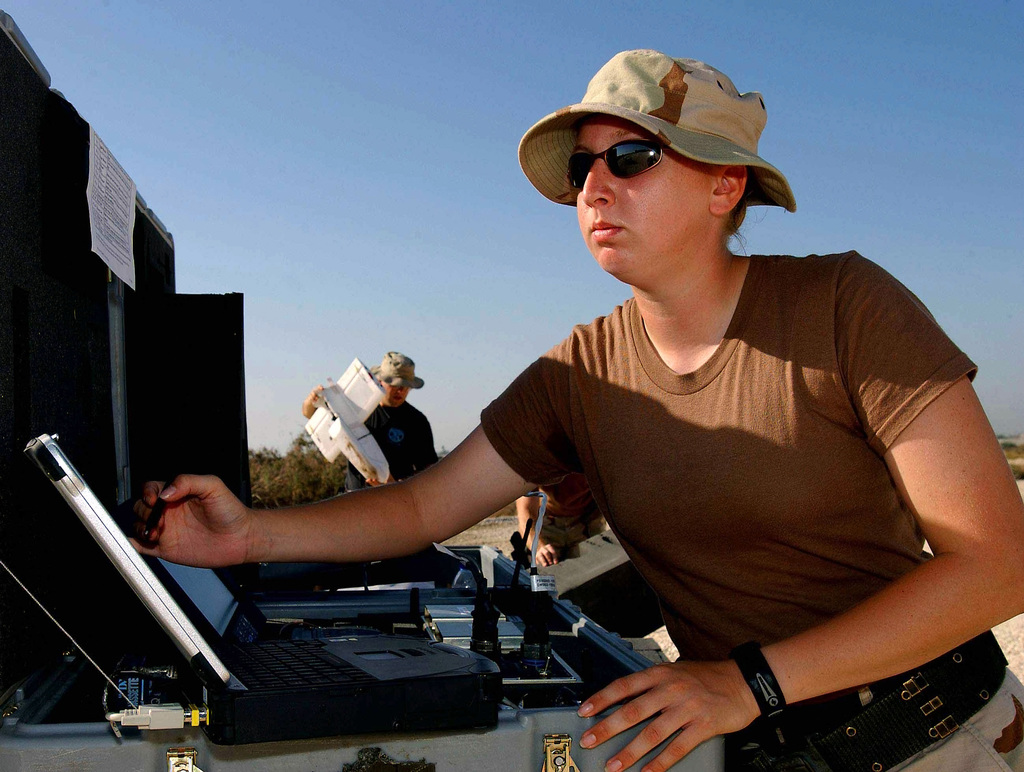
(693, 700)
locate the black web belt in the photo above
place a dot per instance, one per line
(906, 714)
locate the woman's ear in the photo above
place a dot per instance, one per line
(730, 183)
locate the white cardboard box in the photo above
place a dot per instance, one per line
(337, 427)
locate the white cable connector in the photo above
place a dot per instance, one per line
(169, 715)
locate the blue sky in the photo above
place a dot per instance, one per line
(351, 168)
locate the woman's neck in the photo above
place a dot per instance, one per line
(686, 318)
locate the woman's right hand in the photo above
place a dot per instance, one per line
(203, 524)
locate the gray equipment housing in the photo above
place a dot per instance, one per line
(45, 725)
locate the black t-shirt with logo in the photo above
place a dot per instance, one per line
(405, 438)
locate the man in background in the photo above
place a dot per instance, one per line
(402, 432)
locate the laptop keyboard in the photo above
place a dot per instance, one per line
(290, 663)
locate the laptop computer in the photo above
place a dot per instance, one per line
(260, 690)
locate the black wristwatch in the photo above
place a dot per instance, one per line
(759, 678)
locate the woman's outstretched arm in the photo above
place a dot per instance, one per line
(204, 524)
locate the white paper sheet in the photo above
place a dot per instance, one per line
(111, 196)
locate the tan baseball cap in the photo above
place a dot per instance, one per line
(690, 106)
(397, 370)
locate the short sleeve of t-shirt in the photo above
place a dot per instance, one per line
(892, 354)
(529, 424)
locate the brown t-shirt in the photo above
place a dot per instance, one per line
(752, 493)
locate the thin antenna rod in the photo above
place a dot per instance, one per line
(61, 627)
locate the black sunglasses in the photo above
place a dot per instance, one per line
(624, 159)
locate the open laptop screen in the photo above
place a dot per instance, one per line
(211, 596)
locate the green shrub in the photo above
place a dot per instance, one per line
(300, 476)
(1015, 456)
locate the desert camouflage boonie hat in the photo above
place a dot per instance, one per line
(690, 106)
(397, 370)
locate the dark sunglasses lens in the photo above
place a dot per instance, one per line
(627, 159)
(579, 167)
(630, 159)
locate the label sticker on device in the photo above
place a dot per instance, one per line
(542, 583)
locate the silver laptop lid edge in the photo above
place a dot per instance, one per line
(168, 614)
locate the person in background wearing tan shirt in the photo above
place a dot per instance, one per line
(571, 516)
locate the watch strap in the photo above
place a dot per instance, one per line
(759, 678)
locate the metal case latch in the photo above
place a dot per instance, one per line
(182, 760)
(556, 754)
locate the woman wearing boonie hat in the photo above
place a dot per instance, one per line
(771, 438)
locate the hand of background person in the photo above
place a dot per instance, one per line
(691, 700)
(312, 401)
(547, 555)
(203, 523)
(373, 482)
